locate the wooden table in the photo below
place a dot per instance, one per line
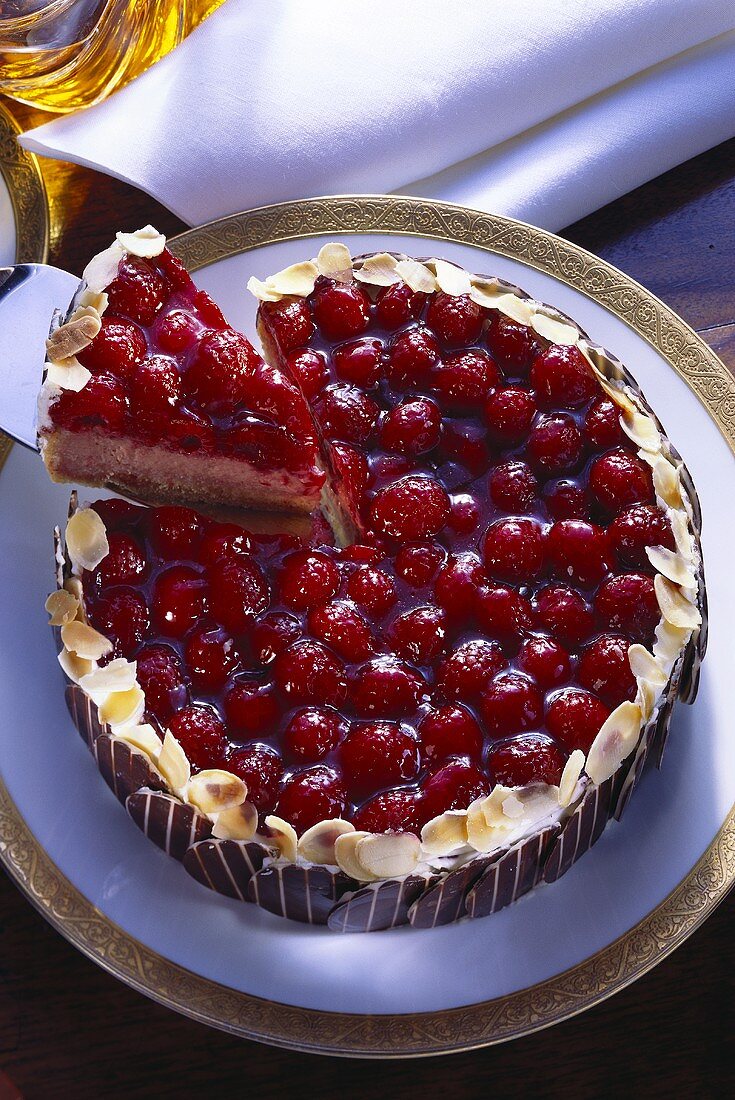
(67, 1029)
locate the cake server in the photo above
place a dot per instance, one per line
(29, 295)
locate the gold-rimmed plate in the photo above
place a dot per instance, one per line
(650, 881)
(24, 213)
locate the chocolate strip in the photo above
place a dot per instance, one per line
(83, 714)
(444, 903)
(379, 905)
(123, 768)
(305, 894)
(226, 866)
(508, 878)
(169, 823)
(584, 826)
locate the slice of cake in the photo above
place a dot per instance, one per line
(148, 390)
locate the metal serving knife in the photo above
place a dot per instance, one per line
(29, 294)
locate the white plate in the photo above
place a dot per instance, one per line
(672, 820)
(24, 215)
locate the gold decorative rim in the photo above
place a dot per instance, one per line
(527, 1010)
(25, 185)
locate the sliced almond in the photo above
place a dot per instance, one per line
(617, 396)
(379, 270)
(262, 291)
(645, 666)
(118, 675)
(444, 834)
(682, 535)
(645, 697)
(283, 837)
(671, 565)
(416, 276)
(317, 843)
(74, 586)
(102, 268)
(513, 306)
(557, 332)
(297, 280)
(68, 374)
(122, 707)
(451, 278)
(74, 666)
(642, 430)
(173, 763)
(481, 835)
(85, 641)
(143, 736)
(675, 608)
(86, 539)
(98, 299)
(570, 777)
(666, 482)
(62, 607)
(345, 848)
(146, 242)
(388, 855)
(74, 335)
(335, 262)
(213, 791)
(493, 806)
(617, 738)
(670, 640)
(237, 823)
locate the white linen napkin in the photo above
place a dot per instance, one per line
(541, 109)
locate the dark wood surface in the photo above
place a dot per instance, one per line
(67, 1029)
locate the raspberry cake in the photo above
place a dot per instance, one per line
(427, 720)
(148, 390)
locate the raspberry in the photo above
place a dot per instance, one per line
(173, 270)
(208, 310)
(530, 758)
(137, 292)
(116, 513)
(251, 707)
(605, 669)
(350, 466)
(272, 634)
(511, 704)
(314, 795)
(155, 390)
(565, 614)
(341, 311)
(419, 635)
(544, 660)
(118, 348)
(310, 370)
(466, 443)
(190, 431)
(122, 616)
(509, 414)
(450, 731)
(503, 613)
(411, 357)
(224, 542)
(454, 786)
(343, 628)
(463, 380)
(457, 584)
(627, 603)
(412, 428)
(580, 551)
(386, 688)
(359, 362)
(514, 550)
(261, 769)
(308, 578)
(161, 677)
(418, 564)
(201, 734)
(602, 425)
(469, 668)
(219, 369)
(372, 589)
(565, 500)
(312, 733)
(211, 657)
(290, 320)
(175, 333)
(512, 344)
(396, 305)
(575, 718)
(377, 755)
(394, 811)
(307, 672)
(179, 600)
(101, 403)
(562, 378)
(619, 479)
(174, 532)
(238, 592)
(555, 445)
(455, 318)
(465, 517)
(124, 563)
(513, 487)
(411, 508)
(638, 527)
(346, 413)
